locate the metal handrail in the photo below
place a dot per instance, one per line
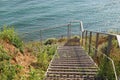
(113, 65)
(102, 33)
(114, 69)
(82, 30)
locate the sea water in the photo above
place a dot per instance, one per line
(29, 16)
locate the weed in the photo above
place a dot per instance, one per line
(3, 54)
(8, 71)
(50, 41)
(9, 35)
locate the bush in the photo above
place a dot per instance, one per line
(36, 74)
(9, 35)
(75, 37)
(3, 54)
(8, 71)
(50, 41)
(62, 40)
(106, 69)
(44, 55)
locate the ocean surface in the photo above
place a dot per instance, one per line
(29, 16)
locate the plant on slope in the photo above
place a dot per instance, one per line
(3, 54)
(50, 41)
(9, 35)
(7, 70)
(44, 54)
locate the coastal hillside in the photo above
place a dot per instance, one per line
(20, 61)
(30, 60)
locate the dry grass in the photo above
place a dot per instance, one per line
(19, 58)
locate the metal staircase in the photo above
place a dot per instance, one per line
(71, 63)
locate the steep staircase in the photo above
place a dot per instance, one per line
(71, 63)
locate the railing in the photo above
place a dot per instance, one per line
(68, 29)
(88, 44)
(84, 33)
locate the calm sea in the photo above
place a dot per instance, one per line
(27, 16)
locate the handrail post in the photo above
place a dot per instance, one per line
(109, 45)
(90, 39)
(81, 26)
(82, 38)
(69, 32)
(41, 36)
(80, 32)
(96, 44)
(86, 40)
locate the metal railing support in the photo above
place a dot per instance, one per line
(80, 32)
(81, 26)
(109, 45)
(90, 39)
(96, 44)
(41, 36)
(86, 40)
(82, 38)
(113, 65)
(69, 31)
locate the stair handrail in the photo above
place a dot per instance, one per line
(113, 65)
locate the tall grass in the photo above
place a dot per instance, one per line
(44, 54)
(9, 35)
(3, 54)
(105, 65)
(7, 70)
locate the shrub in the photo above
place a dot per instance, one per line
(33, 75)
(62, 40)
(3, 54)
(8, 34)
(50, 41)
(75, 37)
(106, 69)
(8, 71)
(44, 55)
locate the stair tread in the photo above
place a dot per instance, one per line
(71, 63)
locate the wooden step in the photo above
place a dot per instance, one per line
(71, 78)
(68, 74)
(72, 67)
(71, 63)
(75, 70)
(78, 73)
(55, 62)
(60, 78)
(62, 59)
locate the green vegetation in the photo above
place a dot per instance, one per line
(3, 54)
(9, 35)
(106, 69)
(11, 69)
(7, 70)
(50, 41)
(115, 55)
(105, 65)
(44, 54)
